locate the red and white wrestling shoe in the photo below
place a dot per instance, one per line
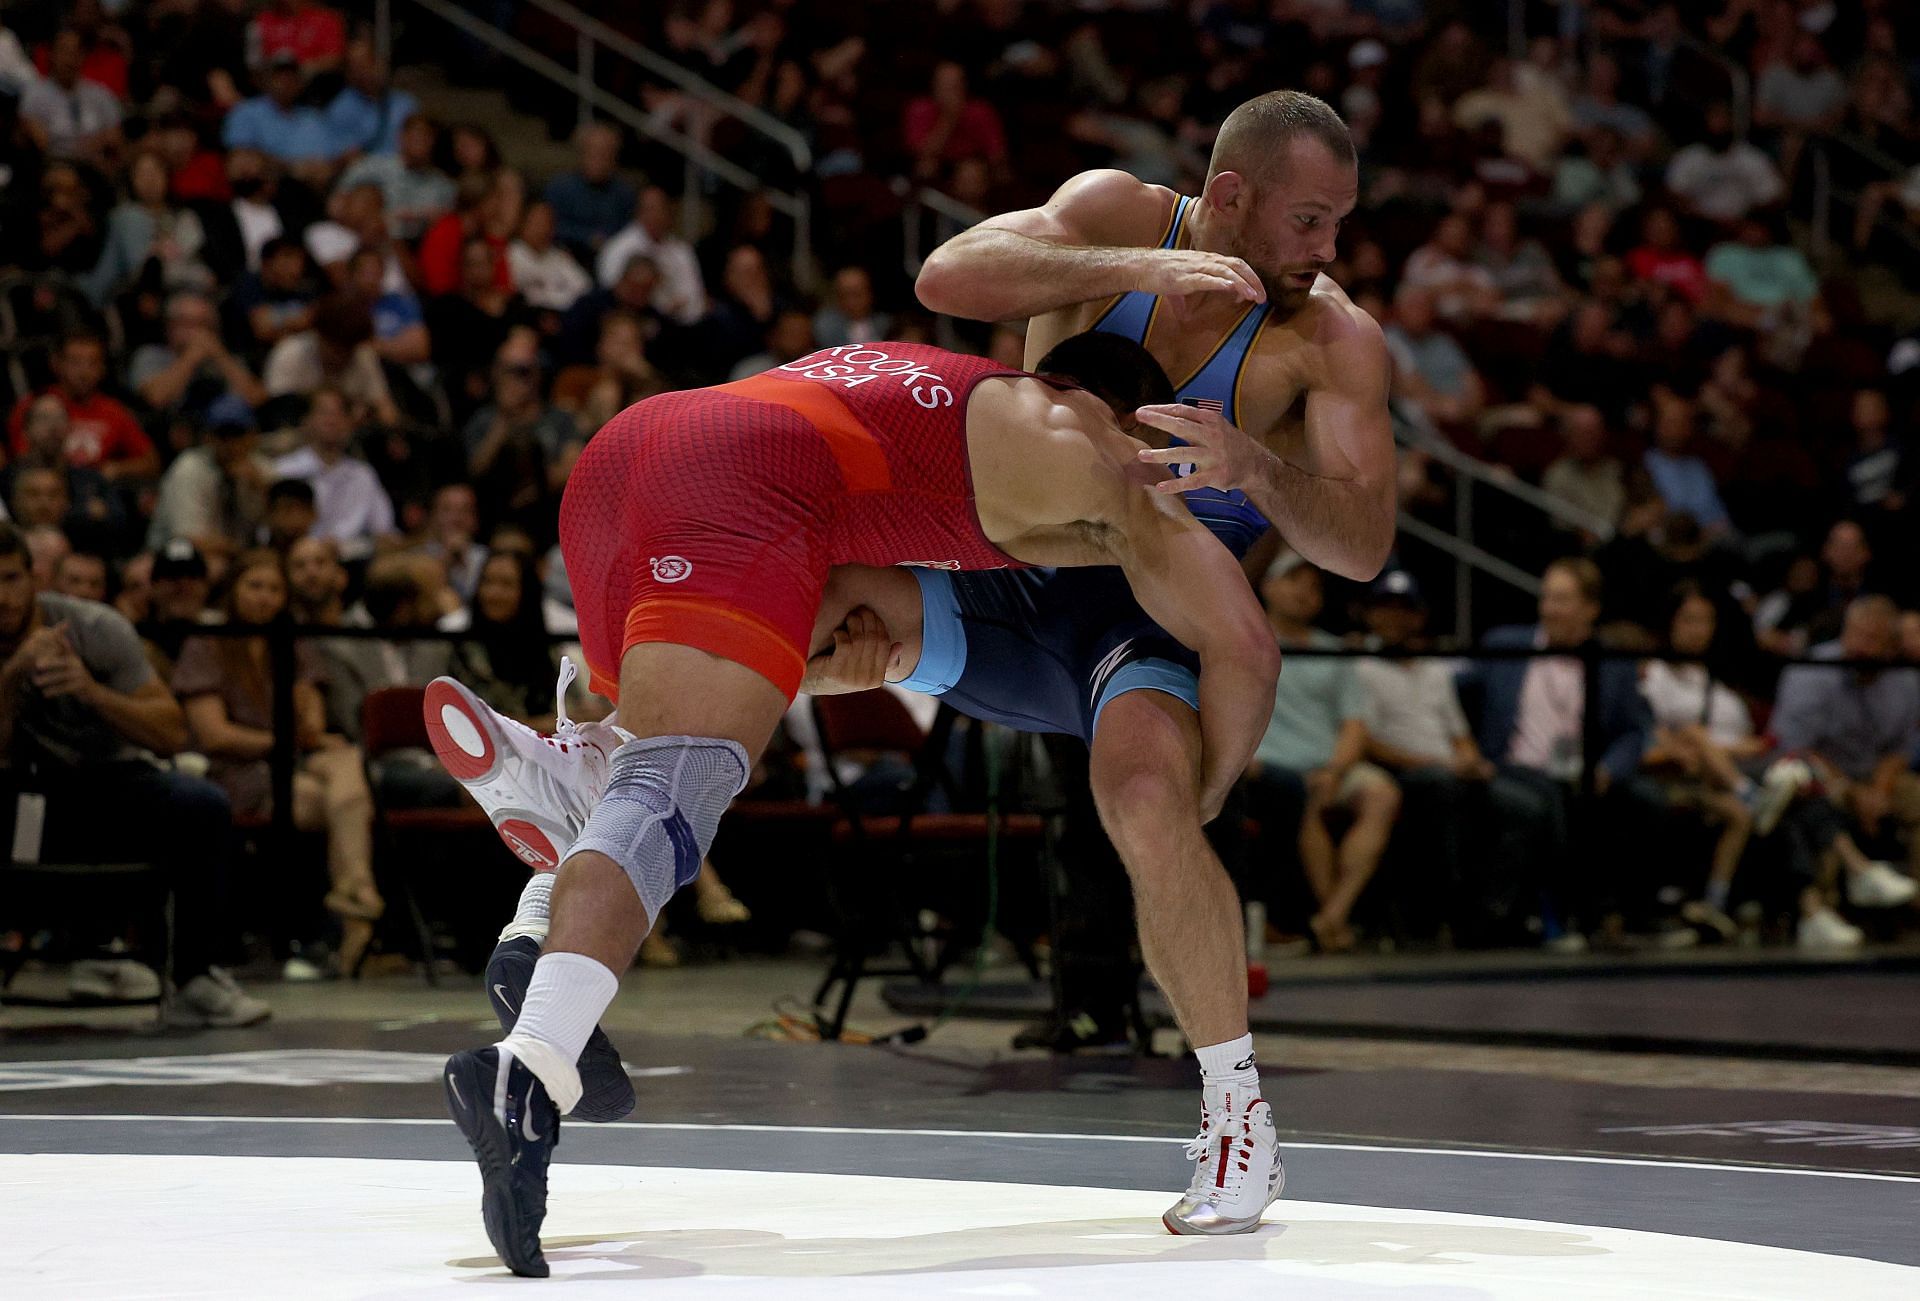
(537, 789)
(1237, 1171)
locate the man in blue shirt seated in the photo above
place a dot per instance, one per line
(278, 125)
(1682, 479)
(593, 201)
(367, 115)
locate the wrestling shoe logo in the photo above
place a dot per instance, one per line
(670, 569)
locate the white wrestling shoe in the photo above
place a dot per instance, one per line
(1237, 1172)
(538, 790)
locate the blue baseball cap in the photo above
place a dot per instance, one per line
(229, 411)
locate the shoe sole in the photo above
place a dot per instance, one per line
(461, 730)
(1227, 1228)
(498, 1209)
(606, 1091)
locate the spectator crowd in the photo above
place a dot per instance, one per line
(278, 344)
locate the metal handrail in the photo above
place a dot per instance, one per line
(1412, 428)
(732, 105)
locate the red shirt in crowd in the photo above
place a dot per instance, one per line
(439, 257)
(309, 34)
(1678, 270)
(104, 64)
(978, 133)
(99, 430)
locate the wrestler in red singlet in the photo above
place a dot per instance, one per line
(710, 517)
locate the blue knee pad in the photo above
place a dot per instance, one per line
(662, 805)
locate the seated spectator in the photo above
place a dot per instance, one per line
(215, 494)
(1596, 172)
(316, 584)
(453, 531)
(1799, 95)
(226, 687)
(177, 581)
(402, 594)
(277, 300)
(83, 576)
(1417, 732)
(352, 510)
(1429, 367)
(1587, 360)
(1444, 267)
(1661, 260)
(632, 294)
(1846, 559)
(848, 315)
(311, 35)
(337, 350)
(368, 116)
(101, 433)
(356, 219)
(748, 303)
(84, 713)
(469, 326)
(68, 116)
(1523, 274)
(1755, 276)
(1586, 474)
(487, 207)
(620, 377)
(1782, 617)
(290, 514)
(682, 295)
(1856, 726)
(414, 192)
(38, 498)
(1531, 724)
(1147, 141)
(400, 335)
(1682, 479)
(1311, 760)
(280, 126)
(95, 512)
(1702, 734)
(48, 547)
(239, 229)
(544, 273)
(1598, 106)
(507, 657)
(1878, 474)
(68, 224)
(788, 339)
(949, 124)
(1533, 117)
(519, 449)
(183, 376)
(592, 202)
(1721, 177)
(149, 231)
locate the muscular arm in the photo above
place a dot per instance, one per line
(148, 716)
(1333, 499)
(1093, 239)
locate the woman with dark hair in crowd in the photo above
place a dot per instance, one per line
(507, 657)
(225, 685)
(148, 232)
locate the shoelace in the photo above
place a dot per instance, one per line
(1221, 1163)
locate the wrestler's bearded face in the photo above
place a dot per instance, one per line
(1290, 222)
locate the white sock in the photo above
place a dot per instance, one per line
(569, 994)
(1228, 1077)
(530, 917)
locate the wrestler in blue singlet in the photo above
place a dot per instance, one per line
(1045, 650)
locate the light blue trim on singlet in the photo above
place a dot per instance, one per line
(1230, 515)
(1149, 674)
(943, 637)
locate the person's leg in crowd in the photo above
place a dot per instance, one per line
(1436, 810)
(1906, 815)
(1374, 799)
(330, 795)
(1735, 820)
(1319, 857)
(1532, 808)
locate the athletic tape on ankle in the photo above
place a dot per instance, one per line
(662, 806)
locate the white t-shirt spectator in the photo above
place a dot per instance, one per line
(294, 367)
(551, 281)
(1725, 185)
(69, 116)
(1413, 705)
(682, 295)
(1682, 695)
(349, 504)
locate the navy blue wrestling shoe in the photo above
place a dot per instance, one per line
(512, 1126)
(605, 1091)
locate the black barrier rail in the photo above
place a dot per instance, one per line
(282, 635)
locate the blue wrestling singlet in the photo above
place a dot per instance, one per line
(1045, 650)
